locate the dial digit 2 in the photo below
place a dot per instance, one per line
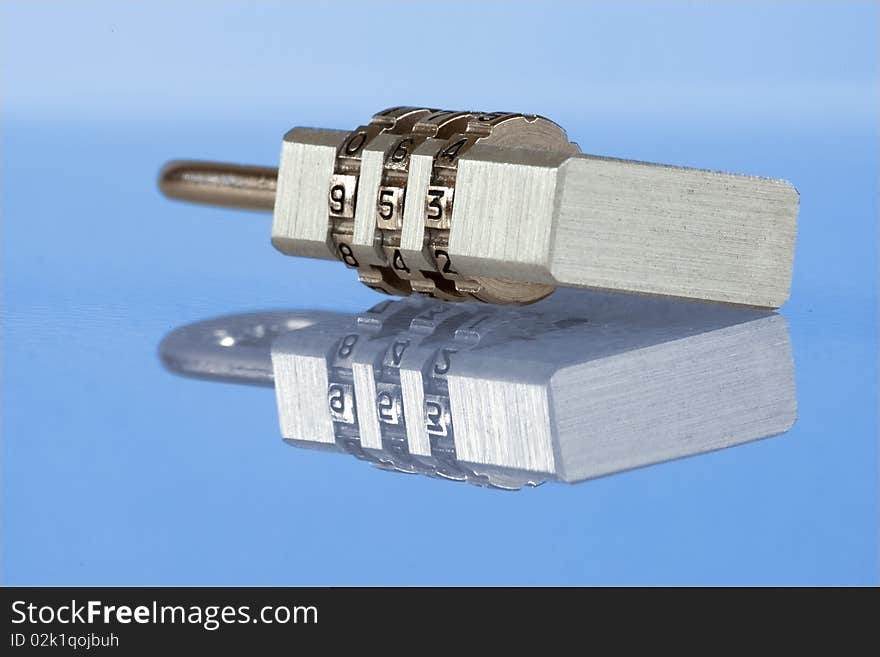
(337, 199)
(447, 264)
(398, 263)
(347, 255)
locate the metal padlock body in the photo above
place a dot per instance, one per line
(394, 225)
(501, 208)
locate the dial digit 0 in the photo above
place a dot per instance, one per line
(355, 143)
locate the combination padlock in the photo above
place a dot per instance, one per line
(580, 385)
(501, 208)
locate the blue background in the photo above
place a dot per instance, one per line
(116, 472)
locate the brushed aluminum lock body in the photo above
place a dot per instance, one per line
(502, 208)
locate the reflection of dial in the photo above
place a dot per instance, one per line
(577, 386)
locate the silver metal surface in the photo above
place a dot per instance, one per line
(577, 386)
(299, 225)
(502, 208)
(668, 230)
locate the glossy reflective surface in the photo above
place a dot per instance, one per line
(116, 471)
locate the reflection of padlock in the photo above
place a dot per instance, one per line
(577, 386)
(502, 208)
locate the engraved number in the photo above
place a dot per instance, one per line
(447, 265)
(386, 407)
(451, 151)
(397, 350)
(442, 364)
(386, 203)
(402, 151)
(337, 199)
(355, 142)
(398, 263)
(346, 346)
(435, 204)
(337, 399)
(347, 255)
(434, 415)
